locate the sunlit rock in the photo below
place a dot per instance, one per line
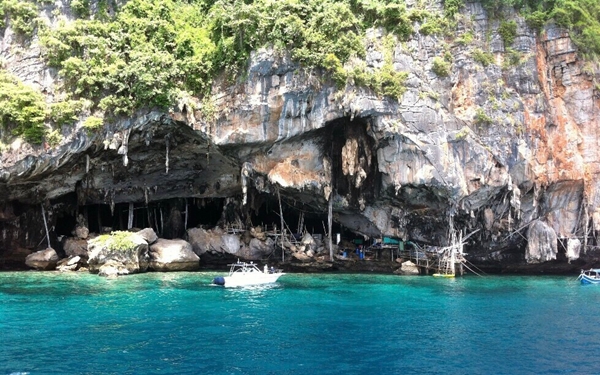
(542, 243)
(42, 260)
(173, 255)
(119, 252)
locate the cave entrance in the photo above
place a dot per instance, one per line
(169, 218)
(353, 155)
(299, 218)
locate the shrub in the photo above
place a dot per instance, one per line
(481, 118)
(115, 241)
(484, 58)
(54, 138)
(22, 14)
(508, 32)
(440, 67)
(451, 7)
(22, 109)
(65, 112)
(81, 8)
(93, 123)
(511, 58)
(465, 38)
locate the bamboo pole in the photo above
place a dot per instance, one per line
(130, 216)
(587, 219)
(162, 222)
(330, 223)
(46, 225)
(282, 230)
(186, 215)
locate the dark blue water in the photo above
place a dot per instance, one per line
(177, 323)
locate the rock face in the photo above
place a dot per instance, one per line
(509, 149)
(173, 255)
(110, 255)
(541, 245)
(42, 260)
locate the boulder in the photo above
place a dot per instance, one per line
(112, 269)
(302, 257)
(258, 233)
(69, 264)
(120, 252)
(149, 235)
(173, 255)
(81, 232)
(214, 241)
(203, 240)
(75, 247)
(309, 242)
(407, 268)
(230, 243)
(43, 259)
(258, 249)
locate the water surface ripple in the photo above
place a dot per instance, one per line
(177, 323)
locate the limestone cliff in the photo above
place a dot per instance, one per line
(508, 147)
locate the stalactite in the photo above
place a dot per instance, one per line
(124, 149)
(112, 204)
(167, 157)
(245, 173)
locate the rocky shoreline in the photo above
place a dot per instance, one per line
(123, 253)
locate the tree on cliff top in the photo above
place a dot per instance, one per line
(124, 55)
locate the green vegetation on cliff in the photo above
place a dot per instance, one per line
(22, 108)
(154, 51)
(24, 112)
(581, 17)
(124, 55)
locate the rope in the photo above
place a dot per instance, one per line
(467, 267)
(474, 266)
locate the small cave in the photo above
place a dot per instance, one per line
(353, 156)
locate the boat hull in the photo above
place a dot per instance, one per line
(250, 279)
(443, 275)
(585, 279)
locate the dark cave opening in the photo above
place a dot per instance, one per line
(298, 217)
(354, 163)
(167, 218)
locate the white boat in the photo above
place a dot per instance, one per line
(591, 276)
(246, 274)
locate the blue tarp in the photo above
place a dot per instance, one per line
(391, 241)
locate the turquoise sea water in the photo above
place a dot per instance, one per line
(177, 323)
